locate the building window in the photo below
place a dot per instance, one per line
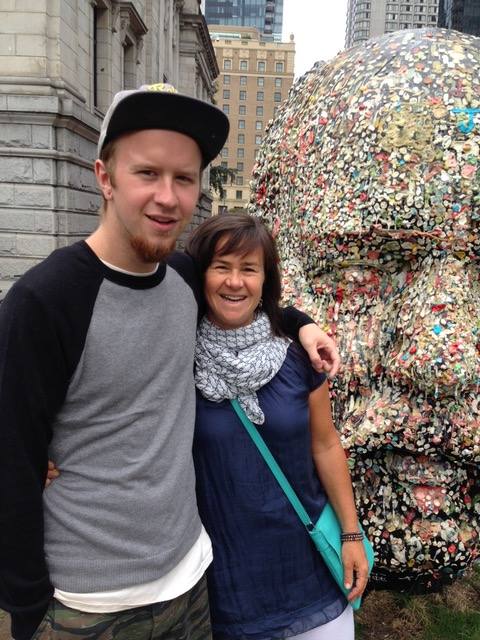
(275, 110)
(226, 94)
(259, 111)
(132, 33)
(243, 65)
(241, 138)
(227, 64)
(258, 139)
(260, 96)
(242, 95)
(238, 195)
(279, 67)
(226, 108)
(239, 166)
(226, 79)
(128, 62)
(260, 81)
(278, 82)
(240, 152)
(258, 125)
(243, 80)
(255, 153)
(241, 124)
(239, 181)
(225, 152)
(242, 109)
(261, 66)
(277, 96)
(224, 164)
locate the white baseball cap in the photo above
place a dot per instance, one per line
(160, 106)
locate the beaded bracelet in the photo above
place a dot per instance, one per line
(354, 536)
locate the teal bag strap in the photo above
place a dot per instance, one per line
(273, 465)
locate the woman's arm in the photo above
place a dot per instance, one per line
(331, 465)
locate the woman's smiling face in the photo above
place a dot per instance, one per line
(233, 287)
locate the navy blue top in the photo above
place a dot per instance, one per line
(267, 579)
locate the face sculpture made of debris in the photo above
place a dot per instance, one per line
(370, 177)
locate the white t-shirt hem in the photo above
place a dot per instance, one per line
(175, 583)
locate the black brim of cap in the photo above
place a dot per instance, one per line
(199, 120)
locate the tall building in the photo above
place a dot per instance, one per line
(369, 18)
(255, 77)
(461, 15)
(60, 65)
(265, 15)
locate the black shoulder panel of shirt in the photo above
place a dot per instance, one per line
(186, 267)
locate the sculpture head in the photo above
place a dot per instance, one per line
(370, 177)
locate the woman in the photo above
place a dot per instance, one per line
(267, 580)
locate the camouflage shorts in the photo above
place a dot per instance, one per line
(184, 618)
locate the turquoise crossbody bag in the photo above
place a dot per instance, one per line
(327, 530)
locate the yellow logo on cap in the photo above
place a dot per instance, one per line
(161, 86)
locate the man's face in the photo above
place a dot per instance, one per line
(373, 171)
(151, 195)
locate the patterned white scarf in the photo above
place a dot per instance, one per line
(235, 363)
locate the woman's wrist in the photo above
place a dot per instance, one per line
(351, 536)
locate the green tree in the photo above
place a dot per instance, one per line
(219, 176)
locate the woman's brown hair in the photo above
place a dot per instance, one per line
(241, 234)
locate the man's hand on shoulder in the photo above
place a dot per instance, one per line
(321, 349)
(52, 473)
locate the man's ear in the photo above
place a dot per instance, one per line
(103, 179)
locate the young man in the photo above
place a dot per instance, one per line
(96, 370)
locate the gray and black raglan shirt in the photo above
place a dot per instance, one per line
(96, 372)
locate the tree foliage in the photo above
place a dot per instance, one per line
(219, 176)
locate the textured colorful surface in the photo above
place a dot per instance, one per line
(370, 178)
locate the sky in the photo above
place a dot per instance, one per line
(319, 29)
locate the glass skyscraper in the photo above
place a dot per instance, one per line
(461, 15)
(370, 18)
(265, 15)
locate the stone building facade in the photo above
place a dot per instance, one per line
(61, 61)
